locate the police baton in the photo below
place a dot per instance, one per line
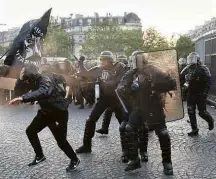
(122, 103)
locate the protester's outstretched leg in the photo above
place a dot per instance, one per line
(38, 124)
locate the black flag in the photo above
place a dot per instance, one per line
(28, 42)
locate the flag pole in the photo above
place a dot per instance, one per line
(4, 53)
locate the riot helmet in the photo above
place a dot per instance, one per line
(123, 59)
(182, 61)
(193, 58)
(82, 58)
(134, 58)
(106, 55)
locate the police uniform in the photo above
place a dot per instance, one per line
(110, 76)
(197, 78)
(147, 108)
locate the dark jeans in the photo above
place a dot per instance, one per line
(57, 123)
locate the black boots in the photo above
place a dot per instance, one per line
(168, 169)
(84, 149)
(143, 142)
(102, 131)
(194, 132)
(106, 122)
(144, 157)
(133, 164)
(88, 135)
(132, 137)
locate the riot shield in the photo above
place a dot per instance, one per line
(166, 62)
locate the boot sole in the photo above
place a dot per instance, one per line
(144, 160)
(82, 152)
(124, 160)
(193, 135)
(130, 169)
(102, 132)
(168, 172)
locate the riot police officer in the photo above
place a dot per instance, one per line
(182, 63)
(110, 74)
(123, 59)
(145, 85)
(108, 113)
(197, 78)
(80, 90)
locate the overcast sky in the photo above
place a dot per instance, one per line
(167, 16)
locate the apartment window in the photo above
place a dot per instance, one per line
(80, 37)
(80, 22)
(89, 21)
(80, 41)
(119, 21)
(213, 46)
(208, 49)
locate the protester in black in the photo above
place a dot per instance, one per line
(53, 113)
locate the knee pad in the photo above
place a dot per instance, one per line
(129, 130)
(191, 110)
(144, 127)
(122, 127)
(162, 133)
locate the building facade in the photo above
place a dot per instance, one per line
(204, 38)
(78, 25)
(7, 37)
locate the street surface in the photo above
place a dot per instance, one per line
(193, 158)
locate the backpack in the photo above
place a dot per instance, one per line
(59, 83)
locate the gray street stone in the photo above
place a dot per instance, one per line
(192, 157)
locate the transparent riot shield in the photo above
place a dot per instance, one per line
(165, 63)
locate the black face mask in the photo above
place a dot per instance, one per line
(30, 75)
(30, 80)
(30, 71)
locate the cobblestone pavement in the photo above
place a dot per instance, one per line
(193, 158)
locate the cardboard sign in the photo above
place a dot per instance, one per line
(7, 83)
